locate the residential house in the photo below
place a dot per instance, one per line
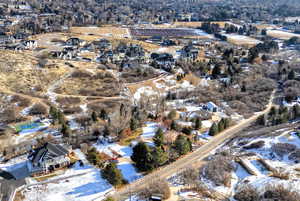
(75, 42)
(189, 53)
(20, 36)
(4, 39)
(185, 17)
(48, 158)
(297, 28)
(168, 42)
(68, 53)
(106, 57)
(163, 58)
(102, 45)
(26, 45)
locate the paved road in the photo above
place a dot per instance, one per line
(193, 157)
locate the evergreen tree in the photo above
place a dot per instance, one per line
(296, 111)
(134, 124)
(103, 114)
(264, 57)
(106, 131)
(172, 115)
(94, 116)
(187, 130)
(213, 130)
(142, 157)
(261, 120)
(282, 110)
(93, 157)
(182, 145)
(273, 112)
(159, 157)
(221, 125)
(113, 175)
(174, 125)
(291, 75)
(65, 130)
(226, 123)
(159, 138)
(53, 112)
(109, 199)
(216, 71)
(57, 115)
(243, 88)
(61, 118)
(284, 118)
(198, 124)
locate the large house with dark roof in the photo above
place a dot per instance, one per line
(47, 159)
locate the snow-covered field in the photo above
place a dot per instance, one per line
(86, 187)
(144, 91)
(241, 39)
(284, 35)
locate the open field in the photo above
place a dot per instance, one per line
(19, 72)
(265, 26)
(281, 34)
(84, 83)
(107, 32)
(241, 40)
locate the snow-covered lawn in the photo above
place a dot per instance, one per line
(149, 130)
(129, 172)
(109, 148)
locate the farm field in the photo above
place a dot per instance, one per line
(191, 24)
(167, 32)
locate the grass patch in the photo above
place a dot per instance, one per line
(126, 141)
(45, 177)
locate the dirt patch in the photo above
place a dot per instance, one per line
(106, 31)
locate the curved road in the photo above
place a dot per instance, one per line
(196, 156)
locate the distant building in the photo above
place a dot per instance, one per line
(210, 106)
